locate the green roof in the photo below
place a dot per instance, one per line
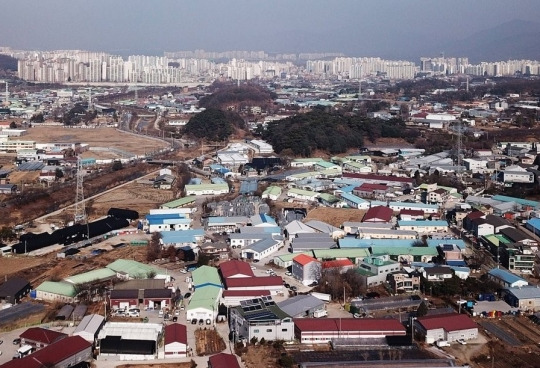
(273, 190)
(310, 174)
(364, 272)
(341, 253)
(133, 268)
(326, 164)
(206, 275)
(329, 197)
(358, 165)
(60, 288)
(179, 202)
(204, 298)
(328, 254)
(95, 275)
(413, 251)
(497, 239)
(303, 192)
(311, 159)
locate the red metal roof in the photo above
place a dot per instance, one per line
(42, 335)
(475, 214)
(412, 212)
(304, 259)
(349, 324)
(234, 267)
(254, 281)
(338, 263)
(52, 354)
(223, 360)
(175, 332)
(448, 322)
(378, 214)
(370, 187)
(250, 293)
(380, 178)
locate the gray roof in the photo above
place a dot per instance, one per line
(261, 245)
(90, 324)
(525, 292)
(141, 284)
(322, 226)
(300, 304)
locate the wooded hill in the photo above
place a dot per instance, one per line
(213, 124)
(328, 131)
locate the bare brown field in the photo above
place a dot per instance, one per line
(11, 265)
(17, 177)
(98, 137)
(136, 196)
(156, 365)
(335, 216)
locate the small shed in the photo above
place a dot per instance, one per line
(64, 313)
(89, 327)
(79, 312)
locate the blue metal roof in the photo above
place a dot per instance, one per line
(183, 236)
(423, 223)
(352, 198)
(456, 263)
(534, 222)
(504, 275)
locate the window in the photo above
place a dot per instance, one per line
(255, 331)
(283, 330)
(268, 330)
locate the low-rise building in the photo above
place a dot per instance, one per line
(261, 249)
(38, 337)
(223, 360)
(89, 327)
(14, 289)
(324, 330)
(526, 298)
(424, 226)
(176, 344)
(301, 306)
(306, 269)
(404, 282)
(438, 273)
(506, 279)
(448, 327)
(53, 291)
(261, 318)
(132, 341)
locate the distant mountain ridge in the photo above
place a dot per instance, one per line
(511, 40)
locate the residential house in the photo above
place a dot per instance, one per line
(306, 269)
(375, 269)
(403, 281)
(437, 273)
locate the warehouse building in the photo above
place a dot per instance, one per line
(448, 327)
(129, 341)
(89, 327)
(14, 289)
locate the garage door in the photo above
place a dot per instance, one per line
(124, 305)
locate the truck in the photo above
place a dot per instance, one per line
(320, 313)
(442, 343)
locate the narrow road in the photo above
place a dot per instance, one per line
(57, 212)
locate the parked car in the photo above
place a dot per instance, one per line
(201, 321)
(133, 314)
(187, 296)
(177, 312)
(16, 341)
(270, 271)
(287, 285)
(182, 307)
(462, 342)
(160, 313)
(294, 288)
(253, 267)
(288, 273)
(183, 270)
(208, 321)
(174, 319)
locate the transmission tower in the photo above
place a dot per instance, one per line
(80, 213)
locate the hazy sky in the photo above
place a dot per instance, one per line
(355, 27)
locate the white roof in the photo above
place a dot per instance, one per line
(131, 331)
(295, 227)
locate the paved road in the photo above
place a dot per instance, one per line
(500, 333)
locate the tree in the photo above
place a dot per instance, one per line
(37, 118)
(204, 259)
(6, 233)
(58, 173)
(422, 310)
(117, 165)
(13, 125)
(153, 250)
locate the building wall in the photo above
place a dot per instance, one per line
(120, 303)
(175, 350)
(468, 334)
(53, 297)
(283, 331)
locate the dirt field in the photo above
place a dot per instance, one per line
(335, 216)
(98, 137)
(208, 342)
(156, 365)
(136, 196)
